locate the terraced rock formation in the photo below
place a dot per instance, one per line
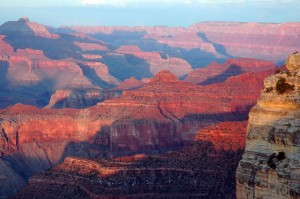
(204, 169)
(271, 164)
(164, 114)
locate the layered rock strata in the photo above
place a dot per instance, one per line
(270, 166)
(205, 169)
(163, 114)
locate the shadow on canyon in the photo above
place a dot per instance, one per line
(219, 47)
(126, 66)
(233, 70)
(197, 58)
(58, 48)
(195, 171)
(38, 156)
(12, 94)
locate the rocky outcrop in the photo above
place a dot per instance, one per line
(270, 165)
(159, 61)
(254, 40)
(25, 27)
(219, 39)
(69, 98)
(293, 62)
(212, 160)
(33, 77)
(129, 84)
(90, 46)
(215, 72)
(228, 136)
(163, 114)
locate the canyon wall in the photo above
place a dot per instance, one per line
(164, 114)
(203, 169)
(271, 163)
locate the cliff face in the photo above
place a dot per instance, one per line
(218, 39)
(255, 40)
(215, 72)
(212, 160)
(163, 114)
(271, 163)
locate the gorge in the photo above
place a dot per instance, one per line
(155, 112)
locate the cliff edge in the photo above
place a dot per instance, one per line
(270, 167)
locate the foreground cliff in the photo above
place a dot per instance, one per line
(270, 167)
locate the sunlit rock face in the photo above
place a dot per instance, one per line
(25, 27)
(271, 162)
(203, 169)
(253, 40)
(164, 114)
(215, 72)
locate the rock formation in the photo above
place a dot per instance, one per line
(38, 61)
(159, 61)
(271, 163)
(129, 84)
(74, 98)
(252, 40)
(215, 72)
(25, 27)
(218, 39)
(163, 114)
(212, 160)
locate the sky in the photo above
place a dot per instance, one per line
(148, 12)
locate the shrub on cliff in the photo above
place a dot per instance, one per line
(280, 156)
(283, 87)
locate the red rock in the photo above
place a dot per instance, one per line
(212, 161)
(254, 40)
(91, 57)
(90, 46)
(129, 84)
(178, 66)
(25, 27)
(69, 98)
(220, 72)
(163, 114)
(5, 48)
(229, 136)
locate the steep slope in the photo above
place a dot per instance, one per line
(159, 61)
(25, 27)
(163, 114)
(215, 72)
(129, 84)
(29, 76)
(205, 42)
(254, 40)
(75, 98)
(212, 160)
(270, 166)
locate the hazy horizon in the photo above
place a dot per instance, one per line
(149, 13)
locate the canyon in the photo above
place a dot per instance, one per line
(34, 139)
(42, 64)
(155, 112)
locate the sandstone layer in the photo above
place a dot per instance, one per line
(213, 39)
(271, 163)
(212, 161)
(162, 115)
(215, 72)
